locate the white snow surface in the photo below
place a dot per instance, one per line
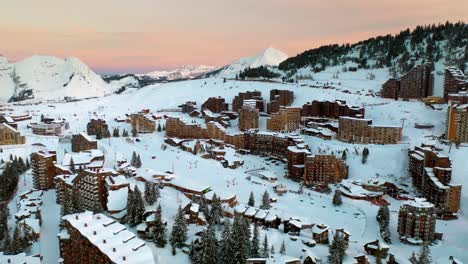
(385, 162)
(50, 78)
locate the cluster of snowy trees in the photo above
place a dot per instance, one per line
(398, 51)
(135, 207)
(337, 249)
(9, 178)
(383, 218)
(161, 127)
(151, 192)
(23, 237)
(266, 204)
(136, 160)
(101, 133)
(116, 132)
(337, 198)
(424, 256)
(238, 243)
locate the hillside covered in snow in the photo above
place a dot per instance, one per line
(49, 78)
(446, 43)
(269, 57)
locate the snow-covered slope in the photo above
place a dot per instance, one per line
(184, 72)
(129, 81)
(47, 77)
(269, 57)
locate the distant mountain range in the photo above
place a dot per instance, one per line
(51, 78)
(184, 72)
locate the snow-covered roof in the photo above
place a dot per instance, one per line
(84, 157)
(261, 214)
(8, 127)
(419, 202)
(88, 138)
(111, 238)
(117, 199)
(296, 223)
(67, 178)
(117, 180)
(251, 211)
(319, 229)
(20, 258)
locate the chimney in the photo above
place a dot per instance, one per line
(86, 224)
(113, 249)
(124, 258)
(94, 232)
(76, 217)
(104, 241)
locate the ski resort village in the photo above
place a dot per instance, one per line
(353, 153)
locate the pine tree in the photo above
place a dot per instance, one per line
(337, 250)
(3, 222)
(130, 207)
(272, 250)
(337, 198)
(246, 234)
(216, 212)
(265, 250)
(383, 218)
(413, 259)
(138, 161)
(255, 245)
(134, 132)
(209, 246)
(7, 247)
(21, 164)
(283, 248)
(16, 243)
(425, 255)
(116, 132)
(157, 194)
(265, 201)
(125, 133)
(160, 237)
(251, 199)
(239, 247)
(226, 250)
(72, 165)
(204, 207)
(150, 196)
(134, 161)
(343, 156)
(159, 127)
(179, 230)
(383, 215)
(139, 207)
(365, 154)
(385, 233)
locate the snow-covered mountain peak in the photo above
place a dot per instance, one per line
(268, 57)
(47, 77)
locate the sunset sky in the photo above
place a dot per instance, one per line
(144, 35)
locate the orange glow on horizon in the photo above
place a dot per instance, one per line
(119, 36)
